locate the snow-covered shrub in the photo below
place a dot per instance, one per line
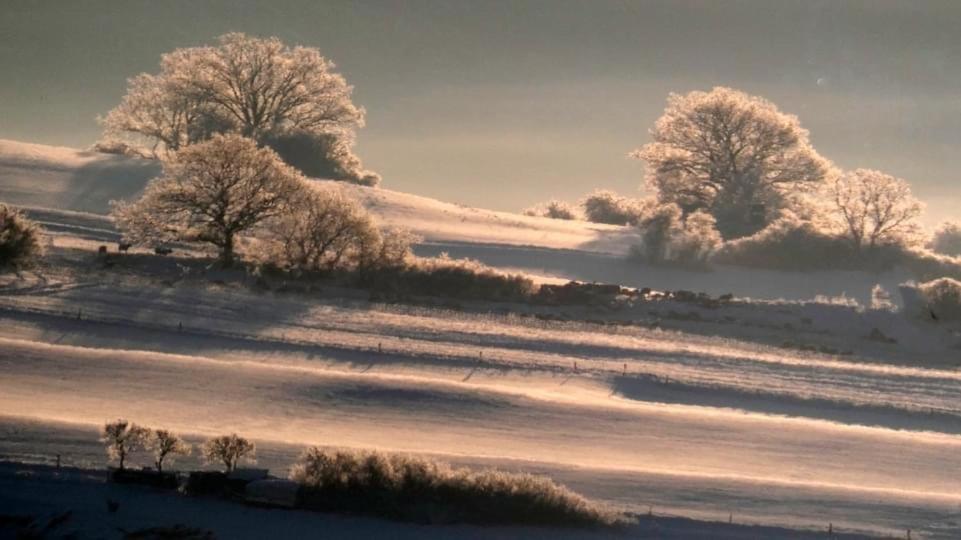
(20, 245)
(667, 237)
(881, 298)
(604, 206)
(947, 239)
(788, 243)
(390, 249)
(450, 278)
(943, 298)
(228, 450)
(553, 209)
(416, 489)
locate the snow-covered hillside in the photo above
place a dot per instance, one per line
(62, 178)
(784, 414)
(67, 179)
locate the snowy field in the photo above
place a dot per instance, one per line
(778, 414)
(690, 424)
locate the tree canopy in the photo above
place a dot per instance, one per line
(256, 87)
(730, 154)
(211, 192)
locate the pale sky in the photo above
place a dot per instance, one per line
(504, 104)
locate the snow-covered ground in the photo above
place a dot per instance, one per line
(694, 425)
(45, 494)
(783, 414)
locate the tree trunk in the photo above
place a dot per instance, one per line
(227, 251)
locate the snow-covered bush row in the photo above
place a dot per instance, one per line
(553, 209)
(450, 278)
(409, 488)
(667, 237)
(20, 245)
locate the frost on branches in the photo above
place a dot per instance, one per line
(211, 192)
(732, 155)
(255, 87)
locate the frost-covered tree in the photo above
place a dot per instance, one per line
(121, 438)
(228, 450)
(605, 206)
(19, 239)
(875, 208)
(257, 87)
(323, 231)
(165, 445)
(733, 155)
(211, 192)
(947, 239)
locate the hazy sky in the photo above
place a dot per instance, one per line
(503, 104)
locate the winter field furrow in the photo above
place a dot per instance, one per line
(556, 419)
(508, 342)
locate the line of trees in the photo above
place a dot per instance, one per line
(227, 188)
(122, 438)
(724, 166)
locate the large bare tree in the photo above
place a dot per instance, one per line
(211, 192)
(730, 154)
(875, 208)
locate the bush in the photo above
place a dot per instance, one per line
(604, 206)
(788, 243)
(669, 238)
(451, 278)
(947, 240)
(943, 298)
(415, 489)
(553, 209)
(19, 239)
